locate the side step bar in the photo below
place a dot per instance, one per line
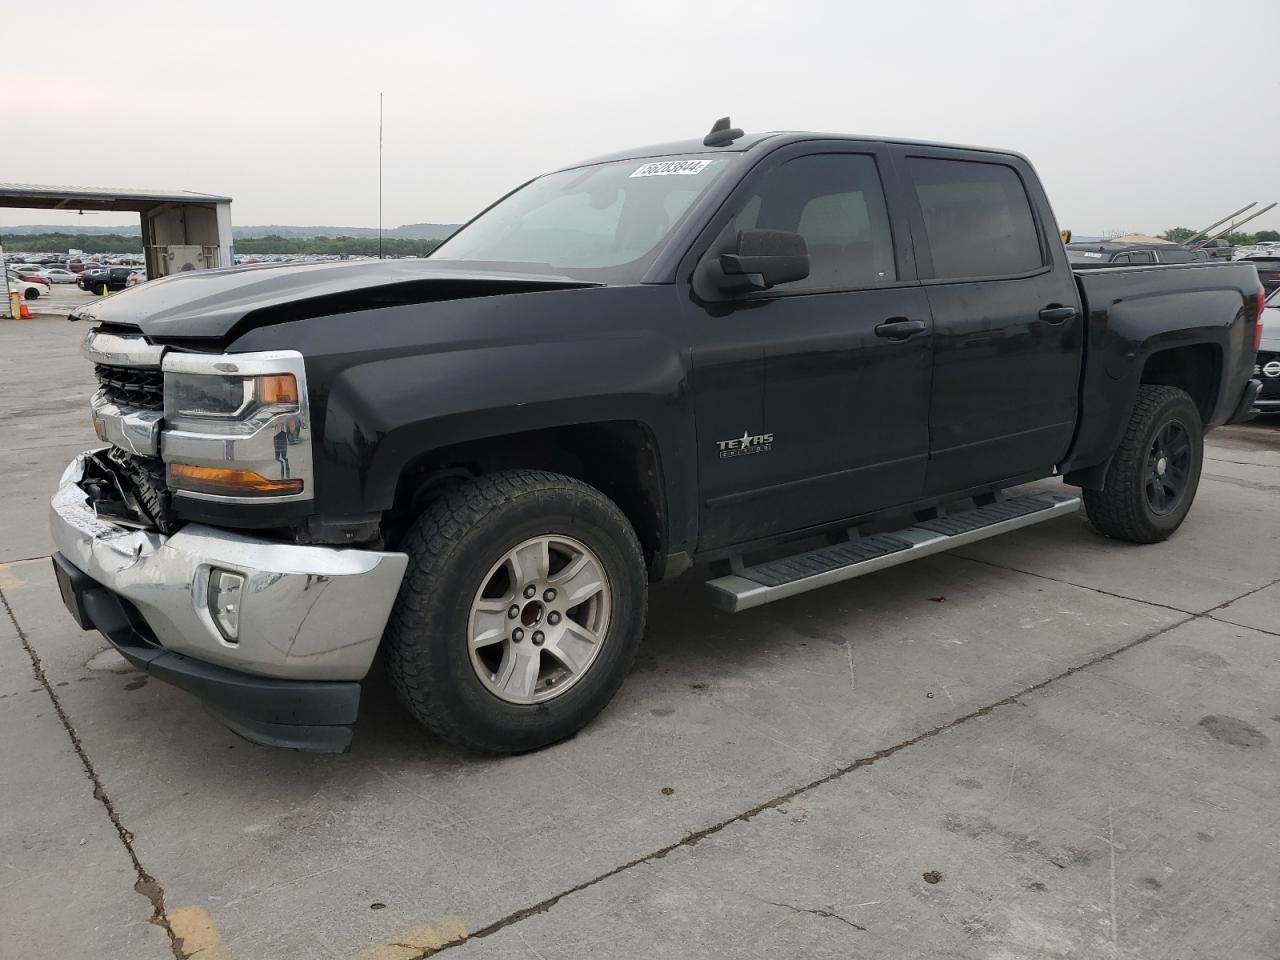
(776, 579)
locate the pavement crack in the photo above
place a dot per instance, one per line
(145, 884)
(1244, 596)
(1080, 586)
(1244, 626)
(693, 839)
(1240, 463)
(819, 912)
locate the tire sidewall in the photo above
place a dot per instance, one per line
(457, 575)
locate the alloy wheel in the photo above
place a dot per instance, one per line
(539, 619)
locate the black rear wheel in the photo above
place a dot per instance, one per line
(1153, 476)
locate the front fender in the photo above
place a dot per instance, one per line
(385, 413)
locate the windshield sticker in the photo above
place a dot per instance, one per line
(667, 168)
(1094, 256)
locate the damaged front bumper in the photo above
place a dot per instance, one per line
(310, 618)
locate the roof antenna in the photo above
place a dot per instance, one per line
(721, 134)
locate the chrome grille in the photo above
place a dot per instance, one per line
(137, 387)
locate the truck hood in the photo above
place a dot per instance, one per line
(215, 304)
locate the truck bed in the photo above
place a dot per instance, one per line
(1133, 313)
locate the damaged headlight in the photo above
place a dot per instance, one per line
(236, 426)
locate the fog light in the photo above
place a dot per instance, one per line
(225, 592)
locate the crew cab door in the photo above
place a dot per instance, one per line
(811, 398)
(1007, 331)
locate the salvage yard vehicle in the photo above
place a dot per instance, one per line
(1106, 252)
(27, 288)
(58, 275)
(1268, 366)
(95, 279)
(795, 358)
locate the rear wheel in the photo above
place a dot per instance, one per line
(1152, 479)
(31, 293)
(520, 613)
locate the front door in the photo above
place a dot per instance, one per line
(812, 398)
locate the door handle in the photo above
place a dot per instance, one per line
(1055, 315)
(900, 328)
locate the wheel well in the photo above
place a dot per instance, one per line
(1196, 369)
(619, 458)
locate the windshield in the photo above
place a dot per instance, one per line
(605, 222)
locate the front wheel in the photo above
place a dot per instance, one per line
(1153, 476)
(31, 293)
(520, 613)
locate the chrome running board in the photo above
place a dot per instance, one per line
(776, 579)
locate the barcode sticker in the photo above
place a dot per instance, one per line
(667, 168)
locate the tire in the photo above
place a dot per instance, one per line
(31, 294)
(456, 563)
(1136, 503)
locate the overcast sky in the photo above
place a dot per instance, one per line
(1139, 116)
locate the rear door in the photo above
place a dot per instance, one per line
(1007, 333)
(812, 397)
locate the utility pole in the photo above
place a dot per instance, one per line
(379, 174)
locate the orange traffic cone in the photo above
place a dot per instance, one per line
(24, 312)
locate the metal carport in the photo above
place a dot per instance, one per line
(181, 230)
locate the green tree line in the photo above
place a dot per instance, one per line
(358, 246)
(1182, 234)
(116, 243)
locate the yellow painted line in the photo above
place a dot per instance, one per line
(197, 935)
(417, 941)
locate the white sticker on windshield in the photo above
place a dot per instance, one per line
(667, 168)
(1093, 256)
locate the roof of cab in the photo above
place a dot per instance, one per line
(751, 141)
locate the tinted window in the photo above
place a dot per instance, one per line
(836, 203)
(977, 217)
(1141, 257)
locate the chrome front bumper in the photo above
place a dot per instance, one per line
(307, 613)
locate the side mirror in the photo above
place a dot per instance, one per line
(765, 258)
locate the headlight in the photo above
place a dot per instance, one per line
(228, 398)
(236, 426)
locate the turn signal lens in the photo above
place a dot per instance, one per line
(279, 388)
(184, 476)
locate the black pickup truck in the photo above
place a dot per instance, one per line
(788, 358)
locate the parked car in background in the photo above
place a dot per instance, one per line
(94, 279)
(58, 275)
(1217, 250)
(30, 289)
(1109, 253)
(34, 274)
(1268, 270)
(1268, 368)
